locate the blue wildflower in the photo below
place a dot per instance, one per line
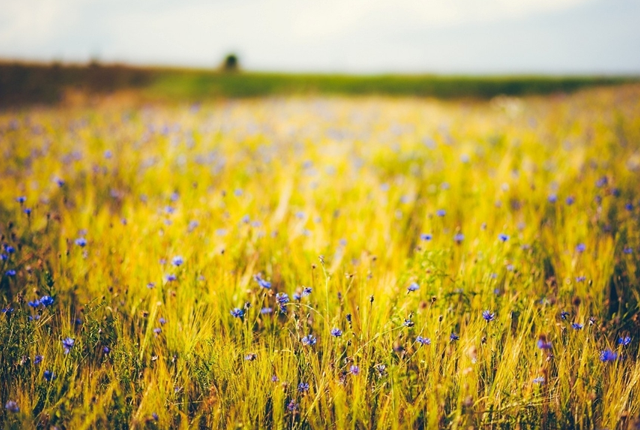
(292, 406)
(262, 282)
(81, 242)
(577, 326)
(170, 278)
(608, 356)
(503, 237)
(46, 301)
(106, 350)
(12, 406)
(413, 287)
(458, 238)
(6, 311)
(21, 199)
(627, 250)
(237, 312)
(162, 321)
(354, 370)
(34, 303)
(250, 357)
(155, 416)
(426, 236)
(265, 311)
(336, 332)
(408, 323)
(309, 340)
(539, 380)
(629, 206)
(488, 316)
(624, 341)
(543, 344)
(10, 249)
(306, 291)
(67, 344)
(570, 200)
(282, 299)
(581, 247)
(564, 315)
(303, 387)
(552, 198)
(581, 278)
(38, 359)
(177, 261)
(10, 273)
(441, 212)
(49, 375)
(297, 296)
(423, 340)
(453, 337)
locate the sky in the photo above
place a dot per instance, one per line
(347, 36)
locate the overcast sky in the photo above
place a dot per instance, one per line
(371, 36)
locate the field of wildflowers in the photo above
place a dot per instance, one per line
(322, 262)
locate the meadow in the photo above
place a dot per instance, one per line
(322, 262)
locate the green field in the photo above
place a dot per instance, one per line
(305, 260)
(41, 83)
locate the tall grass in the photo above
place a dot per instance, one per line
(525, 208)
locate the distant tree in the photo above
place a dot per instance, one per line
(231, 63)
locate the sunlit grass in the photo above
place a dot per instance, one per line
(526, 208)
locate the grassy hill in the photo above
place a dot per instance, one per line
(22, 83)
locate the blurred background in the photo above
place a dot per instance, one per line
(336, 37)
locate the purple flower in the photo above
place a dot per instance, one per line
(309, 340)
(262, 282)
(423, 340)
(237, 312)
(49, 375)
(303, 387)
(157, 330)
(292, 406)
(38, 359)
(106, 350)
(539, 380)
(577, 326)
(552, 198)
(81, 242)
(67, 344)
(426, 236)
(624, 341)
(441, 212)
(570, 200)
(250, 357)
(282, 299)
(564, 315)
(10, 273)
(177, 261)
(608, 356)
(170, 278)
(306, 291)
(413, 287)
(265, 311)
(581, 247)
(162, 321)
(543, 344)
(453, 337)
(503, 237)
(21, 199)
(627, 250)
(488, 316)
(354, 370)
(46, 301)
(12, 406)
(458, 238)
